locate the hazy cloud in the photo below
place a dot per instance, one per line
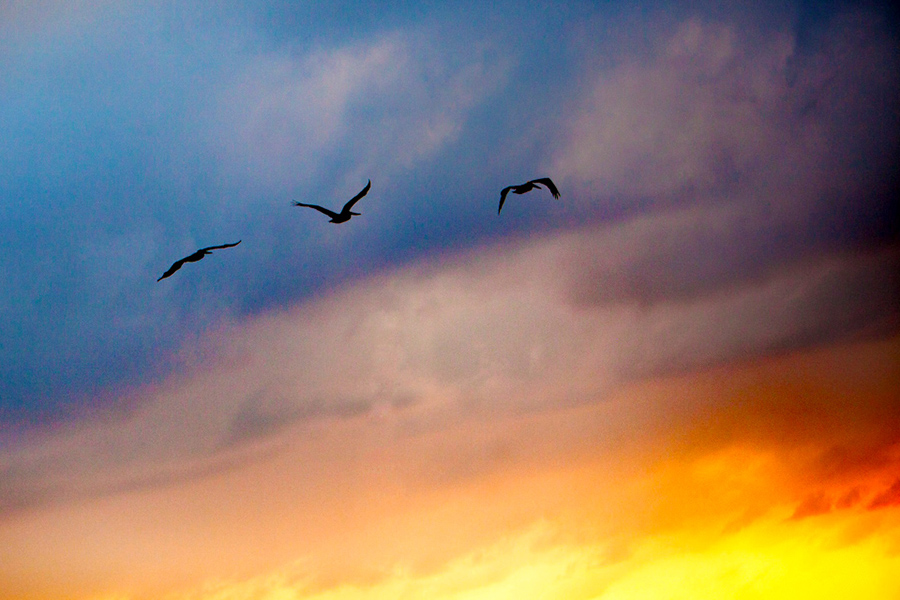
(432, 342)
(375, 106)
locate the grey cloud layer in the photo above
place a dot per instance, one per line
(488, 334)
(785, 153)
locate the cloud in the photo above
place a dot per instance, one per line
(812, 505)
(209, 127)
(380, 104)
(889, 497)
(819, 503)
(657, 473)
(743, 149)
(517, 326)
(265, 414)
(491, 331)
(695, 252)
(716, 111)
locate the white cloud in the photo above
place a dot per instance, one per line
(382, 104)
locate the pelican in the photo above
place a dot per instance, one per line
(345, 213)
(194, 258)
(527, 187)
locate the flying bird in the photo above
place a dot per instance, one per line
(527, 187)
(345, 213)
(194, 258)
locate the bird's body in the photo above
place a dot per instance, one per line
(345, 213)
(534, 184)
(199, 254)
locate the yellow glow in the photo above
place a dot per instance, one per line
(700, 500)
(771, 559)
(774, 560)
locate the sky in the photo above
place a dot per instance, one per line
(680, 379)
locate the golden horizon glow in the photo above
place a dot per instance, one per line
(703, 500)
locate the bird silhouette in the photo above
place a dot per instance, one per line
(527, 187)
(194, 258)
(345, 213)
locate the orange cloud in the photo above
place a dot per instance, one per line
(889, 497)
(682, 485)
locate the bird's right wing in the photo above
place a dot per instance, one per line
(321, 209)
(503, 194)
(222, 246)
(547, 182)
(356, 198)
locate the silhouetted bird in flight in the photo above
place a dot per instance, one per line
(195, 257)
(345, 213)
(527, 187)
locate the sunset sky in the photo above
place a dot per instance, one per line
(679, 380)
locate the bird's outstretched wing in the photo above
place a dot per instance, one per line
(503, 194)
(546, 181)
(321, 209)
(175, 266)
(356, 198)
(220, 247)
(194, 257)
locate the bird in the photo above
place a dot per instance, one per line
(194, 258)
(527, 187)
(345, 213)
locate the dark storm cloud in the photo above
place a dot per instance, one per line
(793, 148)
